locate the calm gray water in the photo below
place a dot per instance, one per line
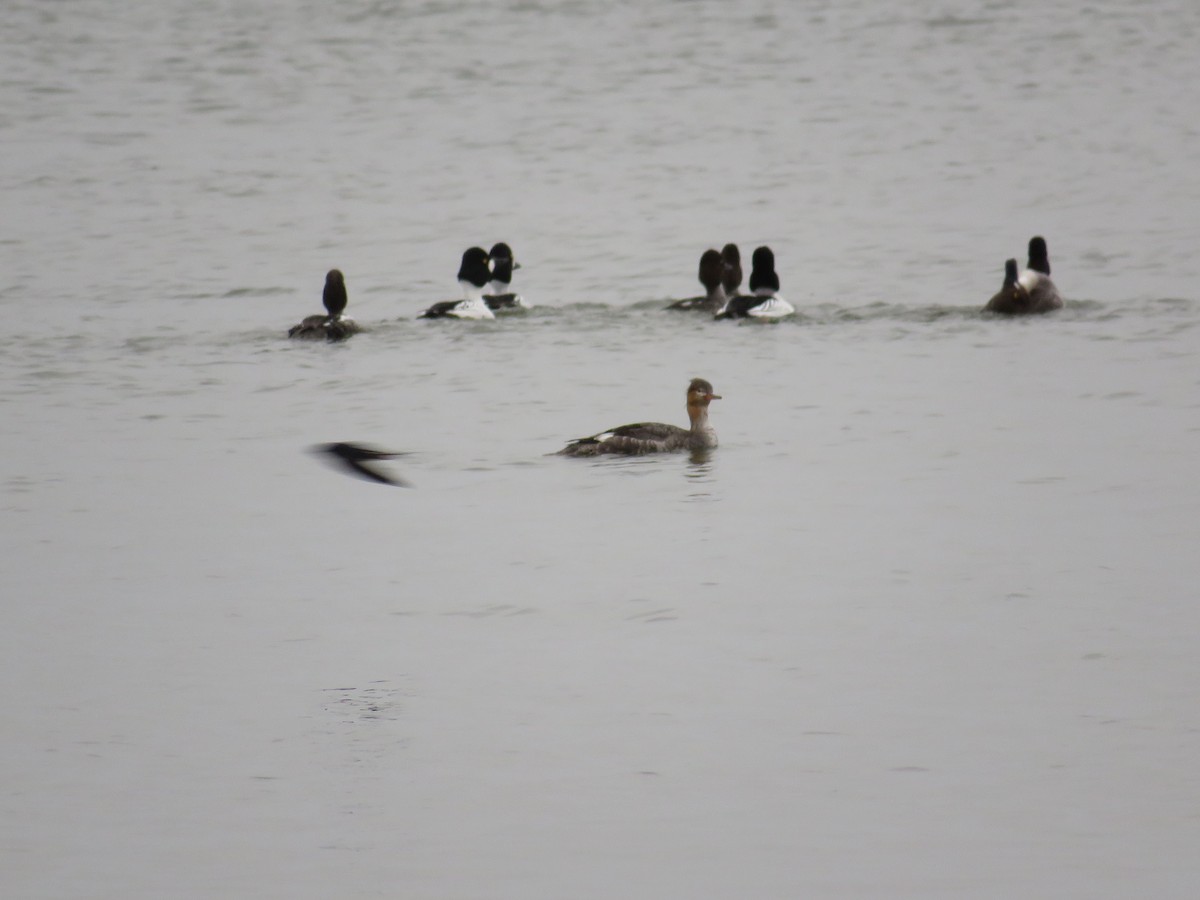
(922, 626)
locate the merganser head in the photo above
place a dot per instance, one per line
(1010, 273)
(700, 392)
(474, 268)
(712, 269)
(1039, 256)
(732, 279)
(334, 297)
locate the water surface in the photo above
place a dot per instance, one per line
(920, 627)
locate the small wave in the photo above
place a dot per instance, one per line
(257, 292)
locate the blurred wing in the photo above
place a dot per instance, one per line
(358, 459)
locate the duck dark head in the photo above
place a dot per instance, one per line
(474, 268)
(334, 297)
(712, 269)
(732, 279)
(1039, 256)
(503, 262)
(1012, 299)
(1010, 273)
(762, 272)
(502, 251)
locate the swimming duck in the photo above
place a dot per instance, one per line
(763, 301)
(357, 459)
(473, 276)
(1012, 299)
(712, 270)
(655, 437)
(333, 326)
(500, 295)
(1043, 295)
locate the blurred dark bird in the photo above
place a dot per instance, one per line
(357, 459)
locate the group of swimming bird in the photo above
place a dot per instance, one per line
(484, 276)
(1023, 292)
(721, 275)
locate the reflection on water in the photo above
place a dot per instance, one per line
(645, 464)
(701, 471)
(699, 462)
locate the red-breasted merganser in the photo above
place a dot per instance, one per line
(763, 301)
(1012, 299)
(333, 326)
(655, 437)
(500, 296)
(712, 270)
(1043, 295)
(473, 276)
(357, 459)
